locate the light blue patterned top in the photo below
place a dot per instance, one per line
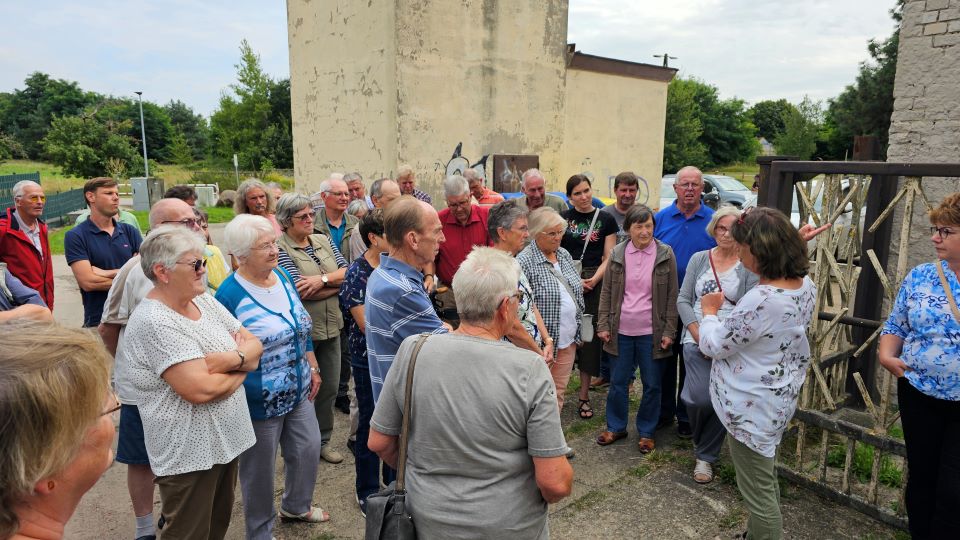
(922, 318)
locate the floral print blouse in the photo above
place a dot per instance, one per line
(760, 355)
(922, 318)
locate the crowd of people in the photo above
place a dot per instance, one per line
(220, 358)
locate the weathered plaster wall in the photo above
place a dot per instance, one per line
(925, 126)
(343, 88)
(614, 124)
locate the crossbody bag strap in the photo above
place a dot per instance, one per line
(405, 426)
(563, 280)
(946, 287)
(586, 239)
(714, 268)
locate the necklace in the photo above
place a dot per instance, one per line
(482, 332)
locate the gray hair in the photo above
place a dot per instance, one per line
(472, 174)
(531, 173)
(690, 168)
(21, 186)
(404, 170)
(288, 205)
(352, 177)
(503, 214)
(240, 203)
(543, 218)
(455, 186)
(484, 279)
(357, 207)
(376, 188)
(720, 213)
(167, 243)
(242, 233)
(273, 185)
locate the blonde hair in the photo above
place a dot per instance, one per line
(53, 383)
(720, 213)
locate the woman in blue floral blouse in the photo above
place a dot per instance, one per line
(760, 355)
(920, 345)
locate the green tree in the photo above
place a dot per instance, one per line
(10, 148)
(768, 116)
(156, 123)
(180, 151)
(801, 127)
(85, 145)
(726, 135)
(865, 107)
(26, 114)
(193, 126)
(681, 137)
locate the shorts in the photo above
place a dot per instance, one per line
(131, 448)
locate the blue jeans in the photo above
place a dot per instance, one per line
(635, 351)
(367, 463)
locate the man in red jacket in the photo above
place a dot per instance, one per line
(23, 240)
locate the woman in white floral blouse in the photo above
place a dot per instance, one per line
(920, 345)
(760, 355)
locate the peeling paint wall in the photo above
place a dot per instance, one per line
(614, 124)
(343, 88)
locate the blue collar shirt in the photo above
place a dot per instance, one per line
(685, 235)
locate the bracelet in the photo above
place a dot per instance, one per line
(315, 370)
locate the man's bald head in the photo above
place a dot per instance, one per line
(167, 210)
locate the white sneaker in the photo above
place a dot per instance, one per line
(702, 472)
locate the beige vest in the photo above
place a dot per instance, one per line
(327, 319)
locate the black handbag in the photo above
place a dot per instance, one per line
(387, 515)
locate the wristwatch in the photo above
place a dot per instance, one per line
(324, 279)
(315, 370)
(243, 358)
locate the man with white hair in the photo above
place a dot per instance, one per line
(24, 245)
(535, 195)
(484, 195)
(333, 219)
(129, 287)
(357, 190)
(408, 184)
(464, 226)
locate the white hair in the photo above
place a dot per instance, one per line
(455, 186)
(243, 231)
(167, 243)
(472, 174)
(543, 218)
(484, 279)
(352, 177)
(21, 186)
(531, 173)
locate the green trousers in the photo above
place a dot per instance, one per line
(757, 481)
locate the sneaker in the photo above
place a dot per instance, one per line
(330, 455)
(362, 504)
(342, 404)
(683, 430)
(702, 472)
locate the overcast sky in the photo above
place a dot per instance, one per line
(186, 50)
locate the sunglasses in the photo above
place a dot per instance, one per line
(197, 264)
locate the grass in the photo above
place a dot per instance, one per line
(733, 518)
(890, 473)
(51, 176)
(589, 500)
(639, 471)
(56, 239)
(726, 474)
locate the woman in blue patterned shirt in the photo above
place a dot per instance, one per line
(920, 345)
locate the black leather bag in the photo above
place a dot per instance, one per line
(388, 517)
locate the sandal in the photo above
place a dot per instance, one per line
(314, 515)
(586, 411)
(610, 437)
(703, 472)
(646, 445)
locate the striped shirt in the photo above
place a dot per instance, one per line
(284, 260)
(396, 307)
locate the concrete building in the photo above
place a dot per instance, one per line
(379, 83)
(925, 125)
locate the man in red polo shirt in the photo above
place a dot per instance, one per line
(464, 226)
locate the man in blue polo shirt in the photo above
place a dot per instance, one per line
(98, 247)
(397, 304)
(683, 226)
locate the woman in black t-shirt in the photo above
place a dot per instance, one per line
(586, 224)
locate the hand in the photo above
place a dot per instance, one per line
(309, 285)
(428, 284)
(104, 273)
(894, 365)
(315, 381)
(710, 303)
(604, 336)
(548, 351)
(666, 342)
(808, 233)
(587, 284)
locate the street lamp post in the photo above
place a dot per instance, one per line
(143, 135)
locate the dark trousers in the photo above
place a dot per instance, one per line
(669, 404)
(931, 430)
(367, 463)
(344, 383)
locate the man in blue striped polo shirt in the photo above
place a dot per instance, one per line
(397, 304)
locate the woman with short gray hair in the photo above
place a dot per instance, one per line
(508, 420)
(317, 269)
(281, 391)
(188, 361)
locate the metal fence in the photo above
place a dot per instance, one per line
(58, 205)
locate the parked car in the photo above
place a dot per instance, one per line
(730, 190)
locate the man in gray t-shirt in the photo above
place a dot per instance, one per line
(484, 417)
(625, 187)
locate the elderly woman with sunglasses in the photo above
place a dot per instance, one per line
(187, 360)
(716, 269)
(317, 269)
(281, 390)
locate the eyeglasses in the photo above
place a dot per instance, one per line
(303, 218)
(338, 193)
(34, 198)
(689, 187)
(944, 232)
(720, 230)
(553, 234)
(451, 204)
(113, 408)
(267, 246)
(197, 264)
(189, 222)
(522, 229)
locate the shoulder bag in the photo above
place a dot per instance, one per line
(946, 287)
(388, 517)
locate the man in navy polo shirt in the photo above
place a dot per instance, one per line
(683, 226)
(98, 247)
